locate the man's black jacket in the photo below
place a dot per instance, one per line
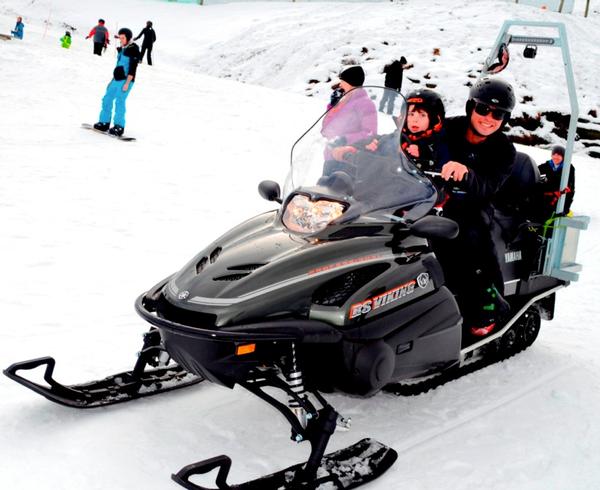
(490, 163)
(149, 36)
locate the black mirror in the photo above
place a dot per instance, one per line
(435, 227)
(530, 51)
(270, 190)
(501, 62)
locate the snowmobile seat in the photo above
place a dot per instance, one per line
(516, 200)
(517, 193)
(513, 210)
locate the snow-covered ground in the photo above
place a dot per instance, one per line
(87, 223)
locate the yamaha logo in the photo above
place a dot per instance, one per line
(423, 279)
(183, 295)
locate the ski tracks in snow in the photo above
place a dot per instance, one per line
(486, 409)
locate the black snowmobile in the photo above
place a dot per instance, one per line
(337, 289)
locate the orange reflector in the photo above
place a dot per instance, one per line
(240, 350)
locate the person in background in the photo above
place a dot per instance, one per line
(393, 79)
(119, 87)
(65, 41)
(550, 174)
(149, 40)
(18, 31)
(353, 116)
(101, 38)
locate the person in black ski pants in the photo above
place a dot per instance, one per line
(149, 40)
(481, 160)
(550, 175)
(101, 37)
(393, 79)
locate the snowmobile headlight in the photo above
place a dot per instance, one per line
(305, 216)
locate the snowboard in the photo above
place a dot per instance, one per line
(122, 138)
(5, 37)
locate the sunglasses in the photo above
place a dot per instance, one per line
(484, 110)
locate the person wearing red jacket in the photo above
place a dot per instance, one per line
(101, 39)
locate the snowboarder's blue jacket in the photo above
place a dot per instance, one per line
(127, 62)
(18, 32)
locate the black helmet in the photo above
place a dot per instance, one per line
(559, 150)
(494, 92)
(431, 102)
(126, 32)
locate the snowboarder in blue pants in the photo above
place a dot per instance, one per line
(119, 87)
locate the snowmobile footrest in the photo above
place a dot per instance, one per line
(113, 389)
(344, 469)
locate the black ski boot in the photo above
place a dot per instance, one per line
(116, 131)
(100, 126)
(493, 308)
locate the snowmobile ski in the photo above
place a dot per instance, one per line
(117, 388)
(343, 469)
(122, 138)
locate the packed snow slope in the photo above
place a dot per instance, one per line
(89, 222)
(301, 46)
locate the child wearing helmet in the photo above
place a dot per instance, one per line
(119, 87)
(481, 160)
(423, 134)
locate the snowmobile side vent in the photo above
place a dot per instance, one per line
(201, 264)
(232, 277)
(245, 267)
(337, 291)
(214, 254)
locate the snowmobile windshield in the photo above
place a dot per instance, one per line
(350, 166)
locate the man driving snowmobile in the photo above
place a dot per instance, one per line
(481, 160)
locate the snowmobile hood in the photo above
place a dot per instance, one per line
(260, 264)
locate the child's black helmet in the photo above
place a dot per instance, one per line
(431, 102)
(126, 32)
(494, 92)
